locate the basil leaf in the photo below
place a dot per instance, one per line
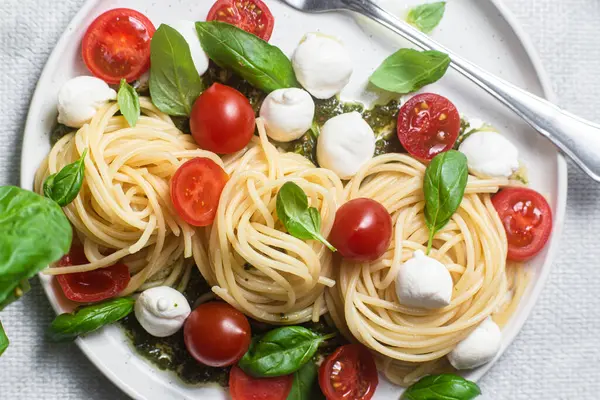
(3, 340)
(129, 103)
(18, 292)
(64, 186)
(264, 66)
(174, 81)
(281, 351)
(305, 380)
(426, 16)
(33, 233)
(444, 187)
(68, 326)
(442, 387)
(408, 70)
(299, 220)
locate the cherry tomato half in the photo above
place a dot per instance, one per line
(250, 15)
(117, 45)
(216, 334)
(527, 220)
(245, 387)
(428, 124)
(222, 120)
(91, 286)
(196, 189)
(349, 374)
(362, 230)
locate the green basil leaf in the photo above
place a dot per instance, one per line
(129, 103)
(305, 380)
(408, 70)
(18, 292)
(34, 232)
(3, 340)
(68, 326)
(281, 351)
(442, 387)
(426, 16)
(174, 81)
(444, 187)
(264, 66)
(300, 221)
(64, 186)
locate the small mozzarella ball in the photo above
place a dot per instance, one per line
(424, 282)
(161, 310)
(288, 114)
(322, 65)
(80, 99)
(345, 143)
(187, 29)
(490, 155)
(480, 347)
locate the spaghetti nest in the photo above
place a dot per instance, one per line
(248, 258)
(412, 342)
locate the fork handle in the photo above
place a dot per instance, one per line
(577, 138)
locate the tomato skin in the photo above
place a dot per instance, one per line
(246, 387)
(349, 373)
(222, 120)
(91, 286)
(117, 45)
(428, 124)
(527, 220)
(362, 230)
(250, 15)
(196, 189)
(216, 334)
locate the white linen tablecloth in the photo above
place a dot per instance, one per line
(556, 356)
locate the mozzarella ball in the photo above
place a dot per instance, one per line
(80, 99)
(424, 282)
(480, 347)
(187, 29)
(490, 155)
(161, 310)
(322, 65)
(345, 143)
(288, 114)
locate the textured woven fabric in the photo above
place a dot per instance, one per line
(556, 356)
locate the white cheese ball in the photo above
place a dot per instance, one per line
(80, 99)
(322, 65)
(161, 310)
(424, 282)
(187, 29)
(288, 114)
(490, 155)
(345, 143)
(480, 347)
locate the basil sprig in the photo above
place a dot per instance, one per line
(442, 387)
(408, 70)
(426, 17)
(305, 384)
(174, 81)
(3, 340)
(281, 351)
(444, 187)
(64, 186)
(68, 326)
(300, 221)
(129, 103)
(264, 66)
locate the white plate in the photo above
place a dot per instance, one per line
(482, 31)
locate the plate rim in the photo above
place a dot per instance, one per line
(559, 213)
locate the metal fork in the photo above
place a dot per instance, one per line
(577, 138)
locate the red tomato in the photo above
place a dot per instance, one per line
(222, 120)
(349, 374)
(527, 220)
(216, 334)
(428, 124)
(250, 15)
(196, 189)
(362, 230)
(91, 286)
(245, 387)
(117, 45)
